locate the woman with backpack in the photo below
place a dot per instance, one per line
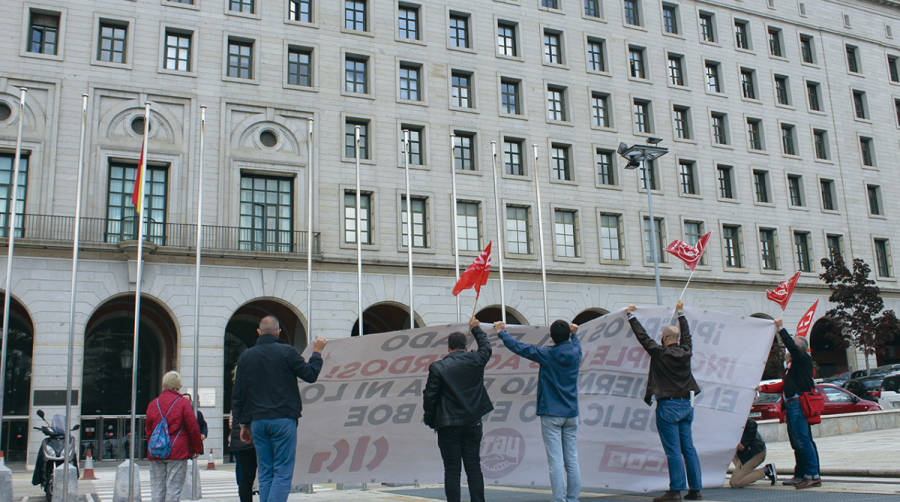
(173, 437)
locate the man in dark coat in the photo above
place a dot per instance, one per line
(455, 400)
(751, 452)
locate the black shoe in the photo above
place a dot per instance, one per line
(791, 482)
(693, 495)
(808, 483)
(769, 469)
(669, 496)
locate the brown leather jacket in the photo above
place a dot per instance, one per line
(670, 367)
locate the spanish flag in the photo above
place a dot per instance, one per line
(137, 194)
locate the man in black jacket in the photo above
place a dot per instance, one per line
(266, 401)
(751, 452)
(455, 399)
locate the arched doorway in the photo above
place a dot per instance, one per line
(384, 317)
(829, 349)
(17, 390)
(492, 314)
(589, 315)
(106, 377)
(774, 368)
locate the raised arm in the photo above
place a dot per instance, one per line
(649, 345)
(787, 340)
(484, 347)
(309, 371)
(683, 327)
(536, 354)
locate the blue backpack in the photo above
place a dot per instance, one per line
(159, 444)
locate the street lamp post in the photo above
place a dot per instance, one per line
(637, 157)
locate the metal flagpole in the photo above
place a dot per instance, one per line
(359, 311)
(195, 477)
(309, 234)
(537, 189)
(11, 235)
(142, 175)
(499, 228)
(654, 245)
(454, 216)
(409, 233)
(75, 244)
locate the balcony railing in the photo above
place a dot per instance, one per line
(49, 228)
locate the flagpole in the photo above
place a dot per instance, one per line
(11, 235)
(453, 216)
(409, 233)
(359, 310)
(499, 229)
(142, 174)
(309, 230)
(537, 189)
(195, 478)
(75, 245)
(686, 285)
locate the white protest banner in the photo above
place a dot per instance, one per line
(362, 420)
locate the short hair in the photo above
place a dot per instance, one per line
(456, 341)
(559, 331)
(802, 343)
(171, 381)
(269, 325)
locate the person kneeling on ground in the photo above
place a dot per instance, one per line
(751, 452)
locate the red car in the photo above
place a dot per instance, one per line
(837, 400)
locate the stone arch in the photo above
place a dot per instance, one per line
(589, 315)
(829, 349)
(247, 136)
(491, 314)
(35, 114)
(383, 317)
(162, 128)
(17, 390)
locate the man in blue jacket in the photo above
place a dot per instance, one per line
(557, 403)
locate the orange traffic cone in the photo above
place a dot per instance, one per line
(88, 472)
(211, 464)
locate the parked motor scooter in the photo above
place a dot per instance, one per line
(51, 452)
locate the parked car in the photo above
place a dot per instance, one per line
(840, 379)
(890, 392)
(866, 387)
(837, 400)
(878, 370)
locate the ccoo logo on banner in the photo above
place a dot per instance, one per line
(362, 420)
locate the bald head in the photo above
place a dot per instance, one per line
(670, 335)
(268, 325)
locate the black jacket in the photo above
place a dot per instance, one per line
(799, 377)
(751, 440)
(454, 392)
(670, 367)
(266, 382)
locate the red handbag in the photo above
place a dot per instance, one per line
(812, 404)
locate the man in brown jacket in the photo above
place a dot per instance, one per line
(671, 382)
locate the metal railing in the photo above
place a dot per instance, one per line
(52, 228)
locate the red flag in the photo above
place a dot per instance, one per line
(783, 292)
(137, 193)
(806, 321)
(690, 255)
(476, 274)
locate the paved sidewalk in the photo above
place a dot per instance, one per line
(863, 454)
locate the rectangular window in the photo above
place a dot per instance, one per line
(897, 110)
(464, 150)
(300, 10)
(828, 195)
(748, 83)
(299, 68)
(767, 249)
(731, 237)
(564, 232)
(707, 27)
(509, 97)
(506, 39)
(632, 12)
(742, 34)
(419, 222)
(553, 47)
(776, 47)
(611, 237)
(820, 139)
(461, 89)
(6, 168)
(408, 22)
(43, 32)
(356, 76)
(713, 83)
(550, 4)
(355, 15)
(240, 58)
(121, 219)
(267, 208)
(642, 119)
(681, 122)
(687, 176)
(801, 248)
(894, 68)
(518, 230)
(795, 190)
(852, 59)
(676, 69)
(410, 82)
(725, 176)
(755, 134)
(788, 139)
(647, 175)
(782, 90)
(670, 18)
(883, 257)
(693, 231)
(365, 220)
(350, 138)
(245, 6)
(867, 150)
(720, 127)
(416, 144)
(596, 54)
(659, 228)
(600, 110)
(111, 45)
(606, 169)
(468, 234)
(636, 62)
(873, 194)
(178, 50)
(556, 103)
(560, 162)
(512, 157)
(807, 49)
(592, 8)
(459, 31)
(761, 186)
(860, 108)
(835, 245)
(812, 91)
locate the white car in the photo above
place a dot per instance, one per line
(890, 392)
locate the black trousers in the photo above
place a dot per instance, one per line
(461, 444)
(247, 458)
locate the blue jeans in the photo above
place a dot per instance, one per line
(561, 441)
(276, 445)
(800, 435)
(673, 421)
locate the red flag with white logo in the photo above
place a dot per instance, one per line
(806, 321)
(687, 253)
(782, 294)
(476, 274)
